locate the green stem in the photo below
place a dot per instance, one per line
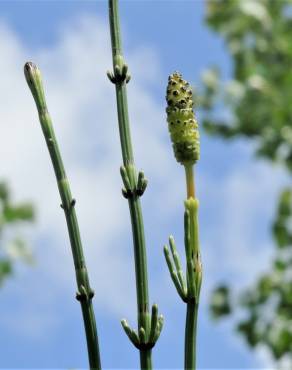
(145, 359)
(121, 92)
(194, 275)
(134, 202)
(190, 335)
(85, 293)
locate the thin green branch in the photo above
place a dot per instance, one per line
(85, 293)
(173, 273)
(178, 267)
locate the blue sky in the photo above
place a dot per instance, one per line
(40, 322)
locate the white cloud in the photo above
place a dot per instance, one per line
(82, 104)
(239, 245)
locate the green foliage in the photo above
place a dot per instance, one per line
(220, 302)
(282, 229)
(257, 100)
(15, 248)
(267, 306)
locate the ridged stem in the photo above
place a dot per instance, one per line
(193, 301)
(134, 202)
(85, 293)
(145, 360)
(190, 336)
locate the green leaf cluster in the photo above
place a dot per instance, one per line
(10, 216)
(257, 99)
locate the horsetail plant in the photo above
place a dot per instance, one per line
(85, 293)
(149, 326)
(184, 134)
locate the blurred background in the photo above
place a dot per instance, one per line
(238, 56)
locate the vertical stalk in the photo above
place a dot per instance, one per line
(129, 174)
(190, 336)
(190, 181)
(145, 359)
(193, 299)
(85, 293)
(121, 91)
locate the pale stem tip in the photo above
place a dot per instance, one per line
(30, 70)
